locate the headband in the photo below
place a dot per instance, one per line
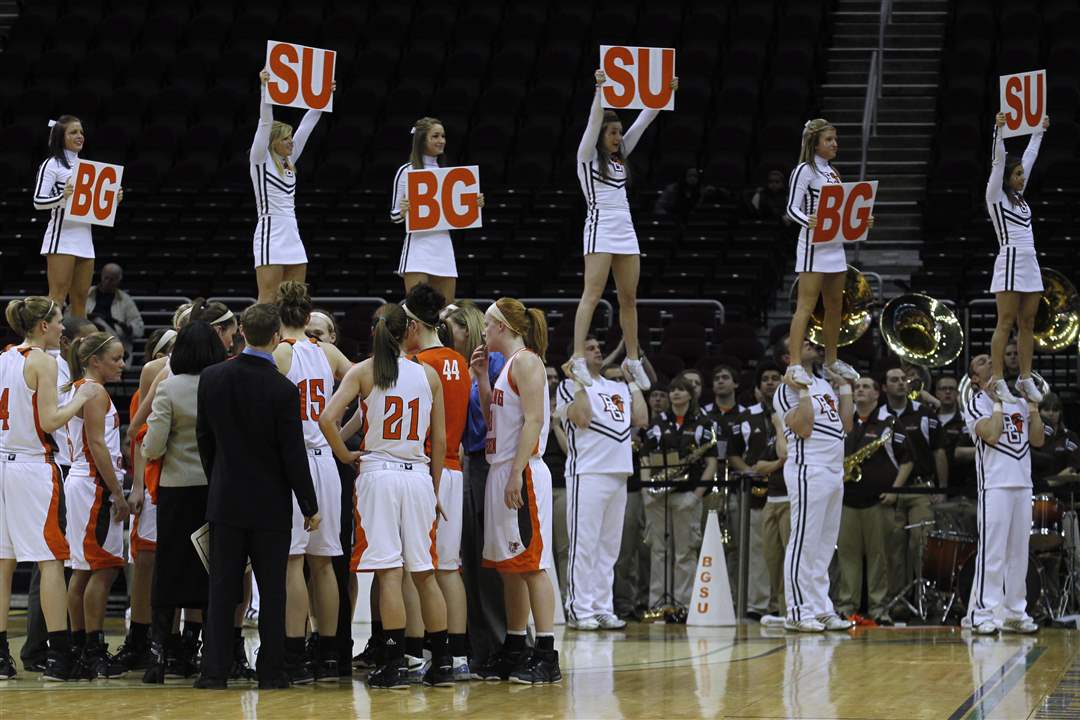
(413, 130)
(96, 350)
(494, 311)
(323, 315)
(412, 316)
(183, 315)
(224, 318)
(166, 337)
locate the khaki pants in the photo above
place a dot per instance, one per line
(632, 567)
(904, 546)
(757, 591)
(862, 534)
(776, 529)
(685, 514)
(560, 538)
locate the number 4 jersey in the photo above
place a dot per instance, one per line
(310, 371)
(398, 417)
(1008, 463)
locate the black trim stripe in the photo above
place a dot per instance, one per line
(617, 437)
(395, 214)
(793, 212)
(797, 546)
(405, 253)
(58, 225)
(265, 194)
(571, 588)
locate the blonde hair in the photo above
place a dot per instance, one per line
(468, 316)
(182, 315)
(24, 314)
(278, 131)
(82, 350)
(812, 132)
(529, 323)
(421, 128)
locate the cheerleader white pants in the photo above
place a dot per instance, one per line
(816, 495)
(999, 591)
(595, 507)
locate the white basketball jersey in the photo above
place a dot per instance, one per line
(508, 417)
(20, 433)
(310, 371)
(604, 445)
(82, 460)
(60, 434)
(398, 417)
(1007, 464)
(825, 446)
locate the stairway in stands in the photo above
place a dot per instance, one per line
(9, 11)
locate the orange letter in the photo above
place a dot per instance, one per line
(421, 186)
(620, 75)
(667, 74)
(103, 199)
(1033, 110)
(706, 576)
(1012, 99)
(279, 55)
(828, 213)
(320, 101)
(459, 176)
(704, 592)
(856, 207)
(703, 608)
(82, 199)
(706, 560)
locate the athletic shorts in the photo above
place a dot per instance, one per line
(144, 527)
(395, 508)
(448, 532)
(96, 540)
(326, 541)
(32, 512)
(514, 540)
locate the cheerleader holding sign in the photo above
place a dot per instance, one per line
(610, 242)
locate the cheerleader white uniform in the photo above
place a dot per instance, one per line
(608, 225)
(277, 239)
(1016, 268)
(804, 188)
(430, 252)
(62, 236)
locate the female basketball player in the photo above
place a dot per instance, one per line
(313, 367)
(68, 246)
(517, 503)
(95, 534)
(31, 502)
(397, 489)
(321, 326)
(822, 269)
(279, 253)
(1017, 283)
(426, 256)
(610, 243)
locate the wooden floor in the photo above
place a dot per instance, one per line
(654, 671)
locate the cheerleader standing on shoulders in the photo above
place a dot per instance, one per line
(610, 243)
(279, 252)
(822, 269)
(1017, 283)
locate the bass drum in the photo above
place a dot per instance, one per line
(1034, 585)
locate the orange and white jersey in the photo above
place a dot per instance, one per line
(82, 460)
(398, 417)
(21, 436)
(453, 373)
(508, 417)
(310, 371)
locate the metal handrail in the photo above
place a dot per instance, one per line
(869, 120)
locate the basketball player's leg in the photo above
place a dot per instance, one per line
(432, 603)
(597, 267)
(324, 594)
(142, 576)
(81, 279)
(76, 599)
(7, 572)
(60, 272)
(1025, 323)
(832, 294)
(296, 598)
(453, 590)
(268, 277)
(414, 619)
(96, 597)
(541, 600)
(1008, 311)
(391, 600)
(626, 269)
(518, 604)
(810, 286)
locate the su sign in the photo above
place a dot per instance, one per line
(637, 77)
(300, 76)
(1023, 100)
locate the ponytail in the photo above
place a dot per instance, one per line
(82, 350)
(390, 323)
(24, 314)
(529, 323)
(812, 131)
(536, 338)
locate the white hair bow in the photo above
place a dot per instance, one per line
(51, 123)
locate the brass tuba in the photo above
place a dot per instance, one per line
(856, 317)
(1057, 322)
(966, 389)
(921, 330)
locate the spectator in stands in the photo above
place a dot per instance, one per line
(679, 198)
(1011, 359)
(693, 378)
(918, 380)
(112, 309)
(779, 351)
(658, 401)
(1060, 455)
(770, 202)
(632, 565)
(555, 459)
(951, 423)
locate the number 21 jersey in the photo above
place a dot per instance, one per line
(398, 417)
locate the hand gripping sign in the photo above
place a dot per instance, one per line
(300, 76)
(637, 77)
(443, 199)
(1023, 100)
(94, 198)
(843, 212)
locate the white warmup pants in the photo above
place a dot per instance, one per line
(595, 507)
(816, 495)
(1000, 587)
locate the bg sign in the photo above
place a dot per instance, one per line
(1023, 100)
(443, 199)
(637, 77)
(94, 199)
(844, 211)
(300, 76)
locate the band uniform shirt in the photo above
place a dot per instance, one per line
(678, 434)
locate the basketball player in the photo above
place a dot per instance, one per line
(822, 269)
(397, 501)
(279, 252)
(610, 243)
(68, 246)
(426, 257)
(313, 367)
(1004, 433)
(599, 458)
(815, 419)
(31, 493)
(422, 306)
(95, 531)
(517, 502)
(1017, 283)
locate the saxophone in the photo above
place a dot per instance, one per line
(678, 473)
(853, 462)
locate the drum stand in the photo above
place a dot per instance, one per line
(1068, 601)
(923, 589)
(666, 606)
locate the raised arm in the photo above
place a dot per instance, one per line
(1032, 150)
(643, 120)
(994, 193)
(303, 132)
(586, 151)
(798, 185)
(260, 145)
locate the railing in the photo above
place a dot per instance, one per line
(869, 121)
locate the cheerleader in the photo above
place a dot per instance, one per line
(68, 246)
(1017, 283)
(822, 269)
(426, 257)
(31, 526)
(279, 252)
(95, 532)
(610, 243)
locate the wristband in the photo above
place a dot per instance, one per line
(844, 390)
(804, 394)
(634, 387)
(997, 407)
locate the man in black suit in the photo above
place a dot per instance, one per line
(251, 443)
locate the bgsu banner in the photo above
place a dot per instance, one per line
(443, 199)
(637, 77)
(95, 196)
(1023, 100)
(300, 76)
(843, 212)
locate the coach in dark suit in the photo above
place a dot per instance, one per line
(252, 447)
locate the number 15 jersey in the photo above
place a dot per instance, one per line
(398, 417)
(310, 371)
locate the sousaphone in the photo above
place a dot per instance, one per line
(855, 316)
(921, 330)
(1057, 322)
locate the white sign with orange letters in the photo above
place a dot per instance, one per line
(637, 77)
(96, 193)
(1023, 100)
(300, 76)
(844, 211)
(443, 199)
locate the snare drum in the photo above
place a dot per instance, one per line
(945, 554)
(1046, 529)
